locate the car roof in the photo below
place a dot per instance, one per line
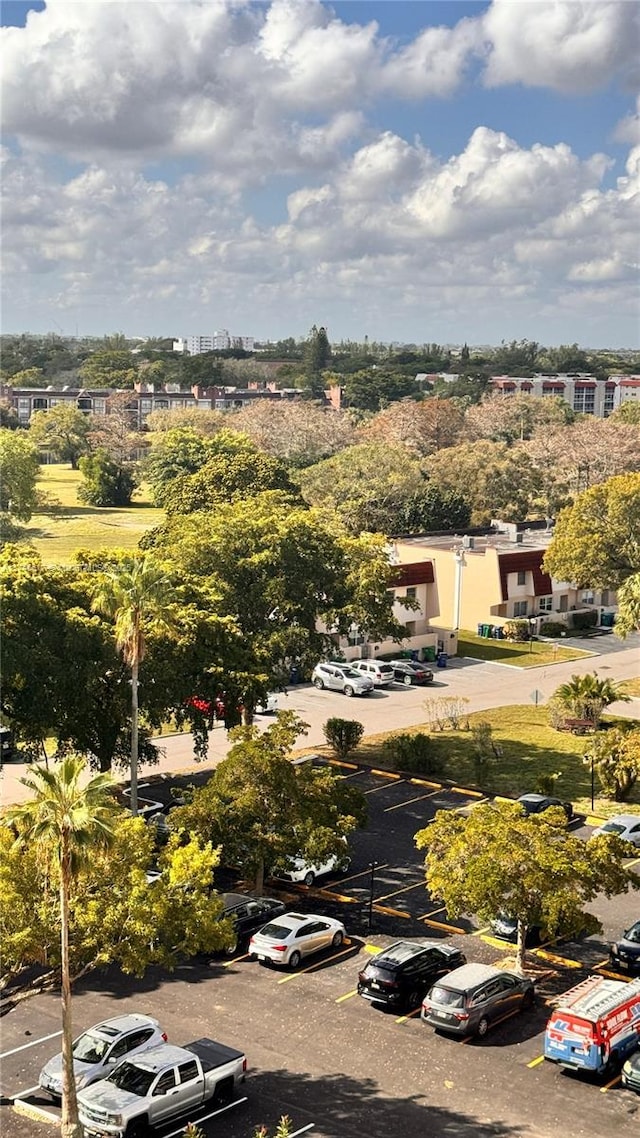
(469, 975)
(156, 1058)
(109, 1028)
(535, 798)
(624, 820)
(403, 950)
(294, 920)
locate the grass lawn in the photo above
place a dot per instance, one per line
(632, 687)
(530, 655)
(529, 747)
(57, 532)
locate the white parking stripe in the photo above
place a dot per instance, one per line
(303, 1129)
(33, 1043)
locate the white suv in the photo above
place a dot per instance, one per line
(381, 673)
(341, 677)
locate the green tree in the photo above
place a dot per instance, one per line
(180, 450)
(365, 485)
(615, 755)
(375, 388)
(227, 478)
(137, 595)
(499, 860)
(63, 431)
(19, 469)
(317, 354)
(67, 822)
(261, 808)
(628, 615)
(596, 541)
(105, 481)
(586, 697)
(627, 413)
(496, 480)
(8, 417)
(109, 367)
(342, 735)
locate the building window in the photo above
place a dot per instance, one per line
(410, 628)
(354, 637)
(586, 598)
(40, 404)
(411, 593)
(545, 604)
(522, 577)
(99, 406)
(520, 608)
(604, 597)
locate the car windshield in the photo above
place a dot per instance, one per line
(613, 828)
(633, 934)
(90, 1048)
(136, 1080)
(274, 930)
(447, 997)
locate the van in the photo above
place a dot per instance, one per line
(469, 999)
(379, 671)
(594, 1025)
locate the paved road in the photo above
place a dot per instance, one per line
(483, 684)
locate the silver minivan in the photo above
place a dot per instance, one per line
(469, 999)
(379, 671)
(341, 677)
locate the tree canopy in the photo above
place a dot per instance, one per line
(496, 480)
(19, 469)
(63, 431)
(227, 477)
(596, 541)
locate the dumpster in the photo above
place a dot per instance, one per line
(498, 634)
(480, 632)
(441, 660)
(607, 619)
(429, 654)
(294, 674)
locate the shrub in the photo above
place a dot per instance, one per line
(447, 711)
(552, 628)
(413, 753)
(584, 619)
(546, 783)
(343, 735)
(105, 482)
(517, 630)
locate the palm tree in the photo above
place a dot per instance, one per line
(136, 595)
(587, 696)
(68, 821)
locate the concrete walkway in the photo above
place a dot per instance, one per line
(482, 684)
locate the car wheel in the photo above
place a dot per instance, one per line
(309, 878)
(407, 681)
(414, 1000)
(337, 939)
(528, 1000)
(317, 683)
(294, 959)
(348, 690)
(137, 1129)
(231, 949)
(482, 1027)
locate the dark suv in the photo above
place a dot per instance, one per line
(249, 914)
(538, 803)
(625, 952)
(400, 975)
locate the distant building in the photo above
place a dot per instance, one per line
(218, 342)
(585, 394)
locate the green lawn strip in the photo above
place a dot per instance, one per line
(533, 654)
(632, 687)
(528, 747)
(68, 525)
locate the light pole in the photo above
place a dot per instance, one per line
(593, 786)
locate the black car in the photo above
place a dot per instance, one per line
(410, 672)
(537, 803)
(400, 975)
(249, 914)
(625, 952)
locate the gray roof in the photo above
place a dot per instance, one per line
(469, 975)
(164, 1055)
(122, 1023)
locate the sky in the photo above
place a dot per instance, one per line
(416, 171)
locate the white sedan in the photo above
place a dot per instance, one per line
(624, 826)
(291, 937)
(97, 1051)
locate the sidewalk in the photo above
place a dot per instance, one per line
(483, 684)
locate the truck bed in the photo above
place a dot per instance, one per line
(212, 1054)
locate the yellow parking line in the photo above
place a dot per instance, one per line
(386, 774)
(408, 801)
(601, 963)
(562, 961)
(340, 763)
(409, 1015)
(480, 932)
(536, 1062)
(464, 790)
(331, 896)
(235, 960)
(447, 928)
(392, 912)
(314, 967)
(425, 782)
(363, 873)
(347, 996)
(613, 975)
(495, 942)
(405, 889)
(634, 861)
(375, 789)
(609, 1085)
(372, 949)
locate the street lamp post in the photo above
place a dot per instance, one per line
(593, 785)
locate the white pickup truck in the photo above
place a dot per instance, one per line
(160, 1085)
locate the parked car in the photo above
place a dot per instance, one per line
(538, 803)
(506, 928)
(400, 975)
(305, 872)
(341, 677)
(379, 671)
(249, 914)
(215, 708)
(470, 999)
(624, 953)
(293, 936)
(631, 1073)
(411, 672)
(623, 826)
(97, 1050)
(168, 1083)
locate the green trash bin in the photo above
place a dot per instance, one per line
(429, 654)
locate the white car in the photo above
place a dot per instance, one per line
(624, 826)
(305, 872)
(379, 671)
(267, 706)
(340, 677)
(97, 1051)
(291, 937)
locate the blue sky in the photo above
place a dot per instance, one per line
(408, 171)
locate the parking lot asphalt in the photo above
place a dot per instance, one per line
(337, 1066)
